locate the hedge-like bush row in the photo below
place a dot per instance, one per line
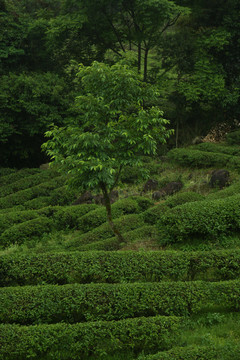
(27, 230)
(182, 198)
(17, 175)
(20, 197)
(197, 158)
(207, 219)
(79, 303)
(15, 217)
(80, 341)
(231, 190)
(6, 171)
(98, 216)
(118, 267)
(217, 148)
(153, 214)
(145, 232)
(62, 196)
(68, 216)
(217, 352)
(27, 182)
(124, 224)
(233, 138)
(37, 203)
(16, 208)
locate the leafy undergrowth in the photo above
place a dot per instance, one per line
(70, 290)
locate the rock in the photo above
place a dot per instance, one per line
(197, 140)
(98, 199)
(156, 195)
(85, 198)
(170, 189)
(150, 185)
(219, 178)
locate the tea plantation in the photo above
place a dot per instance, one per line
(69, 290)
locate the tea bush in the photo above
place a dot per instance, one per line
(117, 267)
(31, 229)
(207, 219)
(79, 341)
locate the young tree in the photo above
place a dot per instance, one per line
(113, 130)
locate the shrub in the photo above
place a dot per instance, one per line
(129, 174)
(80, 341)
(206, 218)
(124, 223)
(231, 190)
(15, 217)
(93, 302)
(26, 182)
(68, 216)
(112, 243)
(37, 203)
(7, 171)
(152, 215)
(182, 198)
(20, 197)
(18, 234)
(143, 202)
(117, 267)
(97, 217)
(197, 158)
(62, 196)
(233, 138)
(196, 352)
(218, 148)
(17, 175)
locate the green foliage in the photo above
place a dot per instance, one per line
(94, 152)
(124, 223)
(22, 196)
(6, 171)
(97, 217)
(26, 182)
(217, 148)
(37, 203)
(194, 352)
(197, 158)
(76, 303)
(182, 198)
(68, 216)
(62, 196)
(152, 215)
(118, 267)
(25, 231)
(206, 219)
(7, 179)
(233, 138)
(29, 104)
(93, 338)
(231, 190)
(15, 217)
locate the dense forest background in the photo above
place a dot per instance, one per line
(188, 50)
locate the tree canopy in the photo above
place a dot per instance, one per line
(117, 124)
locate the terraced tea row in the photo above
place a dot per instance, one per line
(83, 340)
(118, 267)
(92, 302)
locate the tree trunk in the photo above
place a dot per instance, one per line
(139, 57)
(145, 65)
(109, 214)
(177, 131)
